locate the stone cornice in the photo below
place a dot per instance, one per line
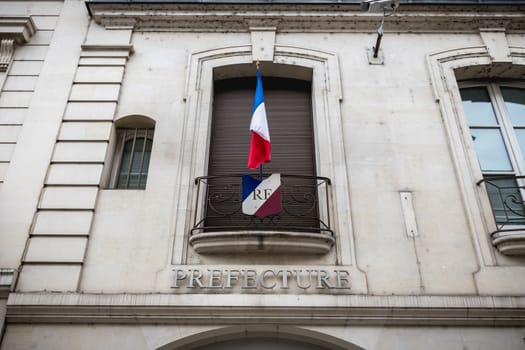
(304, 18)
(265, 309)
(19, 29)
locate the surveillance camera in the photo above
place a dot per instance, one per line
(379, 5)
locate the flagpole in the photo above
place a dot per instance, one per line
(258, 65)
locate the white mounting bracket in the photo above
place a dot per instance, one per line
(380, 59)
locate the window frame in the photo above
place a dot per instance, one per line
(504, 124)
(122, 137)
(292, 62)
(447, 68)
(516, 155)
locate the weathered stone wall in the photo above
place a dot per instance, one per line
(412, 249)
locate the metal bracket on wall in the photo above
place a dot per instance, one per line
(379, 59)
(409, 214)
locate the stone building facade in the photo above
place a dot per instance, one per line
(120, 223)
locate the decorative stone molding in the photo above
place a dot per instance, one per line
(20, 29)
(227, 17)
(7, 50)
(235, 332)
(340, 310)
(496, 42)
(510, 243)
(13, 30)
(263, 42)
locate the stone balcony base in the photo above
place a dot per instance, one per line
(510, 243)
(261, 241)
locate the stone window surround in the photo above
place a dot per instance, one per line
(446, 69)
(514, 152)
(326, 96)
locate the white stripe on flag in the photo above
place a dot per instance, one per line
(259, 123)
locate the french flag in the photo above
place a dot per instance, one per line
(260, 148)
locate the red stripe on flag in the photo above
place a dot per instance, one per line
(259, 151)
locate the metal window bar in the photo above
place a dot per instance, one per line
(506, 193)
(306, 206)
(134, 135)
(132, 155)
(143, 151)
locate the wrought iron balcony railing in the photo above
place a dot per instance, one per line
(506, 193)
(305, 206)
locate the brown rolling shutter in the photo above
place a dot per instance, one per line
(288, 107)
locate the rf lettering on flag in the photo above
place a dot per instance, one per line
(260, 197)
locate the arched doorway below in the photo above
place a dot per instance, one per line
(260, 344)
(260, 337)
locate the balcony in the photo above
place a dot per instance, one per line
(506, 195)
(303, 226)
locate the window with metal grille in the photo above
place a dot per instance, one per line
(133, 152)
(496, 117)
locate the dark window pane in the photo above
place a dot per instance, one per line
(491, 151)
(520, 135)
(124, 165)
(478, 107)
(515, 103)
(135, 163)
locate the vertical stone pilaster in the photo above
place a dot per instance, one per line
(59, 236)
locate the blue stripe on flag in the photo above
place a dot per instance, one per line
(248, 185)
(259, 96)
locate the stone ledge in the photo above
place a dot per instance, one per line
(265, 309)
(20, 29)
(261, 241)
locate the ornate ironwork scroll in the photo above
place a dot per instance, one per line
(305, 201)
(506, 195)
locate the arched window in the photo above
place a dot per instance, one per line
(132, 153)
(134, 164)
